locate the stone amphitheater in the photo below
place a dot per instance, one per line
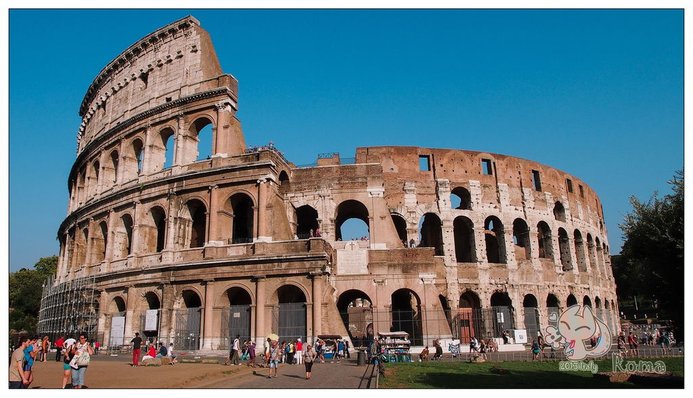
(195, 243)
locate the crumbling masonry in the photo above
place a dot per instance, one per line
(193, 249)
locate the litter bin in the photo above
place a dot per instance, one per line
(360, 357)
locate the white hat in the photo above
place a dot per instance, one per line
(69, 342)
(298, 339)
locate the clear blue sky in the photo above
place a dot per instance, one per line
(598, 94)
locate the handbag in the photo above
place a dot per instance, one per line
(83, 359)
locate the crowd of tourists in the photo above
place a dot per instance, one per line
(75, 355)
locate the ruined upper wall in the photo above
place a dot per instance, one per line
(173, 62)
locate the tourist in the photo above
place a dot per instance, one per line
(482, 349)
(282, 355)
(299, 351)
(268, 346)
(83, 353)
(68, 354)
(423, 356)
(535, 350)
(163, 352)
(251, 353)
(45, 346)
(136, 346)
(439, 350)
(633, 344)
(506, 337)
(308, 359)
(58, 348)
(340, 350)
(171, 354)
(235, 350)
(473, 345)
(29, 355)
(151, 352)
(292, 352)
(346, 349)
(274, 357)
(17, 377)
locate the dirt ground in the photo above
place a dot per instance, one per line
(117, 373)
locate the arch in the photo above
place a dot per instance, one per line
(81, 248)
(350, 209)
(494, 237)
(587, 302)
(559, 211)
(400, 226)
(283, 178)
(406, 314)
(202, 131)
(591, 254)
(521, 240)
(81, 185)
(188, 320)
(123, 237)
(93, 185)
(190, 299)
(545, 241)
(571, 300)
(111, 174)
(194, 223)
(469, 320)
(168, 139)
(242, 221)
(152, 300)
(306, 222)
(465, 250)
(579, 251)
(237, 313)
(599, 256)
(292, 317)
(237, 295)
(502, 308)
(431, 233)
(461, 199)
(564, 249)
(156, 236)
(99, 243)
(355, 308)
(138, 152)
(531, 310)
(597, 302)
(553, 309)
(117, 306)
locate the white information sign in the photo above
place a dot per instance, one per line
(150, 320)
(352, 260)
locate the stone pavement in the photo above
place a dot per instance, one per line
(324, 375)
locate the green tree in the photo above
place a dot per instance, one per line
(652, 254)
(25, 289)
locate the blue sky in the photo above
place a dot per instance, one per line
(598, 94)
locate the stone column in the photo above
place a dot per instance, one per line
(260, 300)
(89, 244)
(208, 333)
(317, 303)
(135, 244)
(110, 239)
(178, 139)
(101, 325)
(131, 296)
(168, 300)
(262, 185)
(213, 237)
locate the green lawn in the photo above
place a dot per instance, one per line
(501, 375)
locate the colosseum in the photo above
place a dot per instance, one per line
(193, 243)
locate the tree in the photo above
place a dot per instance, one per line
(652, 254)
(25, 289)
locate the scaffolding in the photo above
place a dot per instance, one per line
(68, 309)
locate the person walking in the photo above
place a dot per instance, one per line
(17, 377)
(308, 358)
(136, 347)
(68, 353)
(45, 346)
(29, 356)
(274, 357)
(83, 352)
(299, 351)
(251, 354)
(236, 349)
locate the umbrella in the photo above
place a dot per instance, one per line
(69, 342)
(273, 337)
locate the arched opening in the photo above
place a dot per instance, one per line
(355, 215)
(608, 316)
(406, 315)
(553, 309)
(591, 254)
(188, 321)
(469, 318)
(117, 329)
(400, 227)
(81, 248)
(445, 307)
(532, 324)
(571, 301)
(495, 240)
(521, 240)
(236, 316)
(564, 249)
(202, 131)
(586, 302)
(465, 251)
(431, 233)
(112, 177)
(460, 199)
(81, 186)
(194, 223)
(599, 259)
(138, 151)
(559, 212)
(151, 318)
(94, 179)
(283, 178)
(307, 222)
(99, 243)
(292, 315)
(125, 236)
(242, 218)
(156, 238)
(580, 251)
(355, 308)
(598, 308)
(169, 141)
(502, 307)
(545, 242)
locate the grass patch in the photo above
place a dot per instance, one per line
(501, 375)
